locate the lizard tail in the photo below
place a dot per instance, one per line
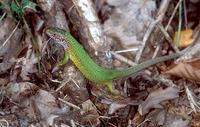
(127, 71)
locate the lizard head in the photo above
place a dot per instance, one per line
(58, 35)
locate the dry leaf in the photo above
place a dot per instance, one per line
(161, 116)
(46, 105)
(90, 114)
(121, 103)
(117, 2)
(46, 5)
(9, 120)
(5, 66)
(128, 22)
(185, 38)
(156, 97)
(28, 66)
(187, 69)
(179, 123)
(115, 106)
(21, 90)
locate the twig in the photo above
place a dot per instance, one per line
(62, 84)
(91, 27)
(69, 104)
(4, 14)
(173, 14)
(2, 121)
(179, 25)
(185, 14)
(167, 37)
(146, 120)
(72, 123)
(166, 28)
(144, 41)
(44, 46)
(162, 9)
(127, 50)
(160, 15)
(122, 58)
(195, 105)
(10, 35)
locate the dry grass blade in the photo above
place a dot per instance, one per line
(195, 105)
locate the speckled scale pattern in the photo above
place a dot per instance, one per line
(98, 74)
(90, 69)
(85, 64)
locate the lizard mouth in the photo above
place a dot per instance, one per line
(57, 35)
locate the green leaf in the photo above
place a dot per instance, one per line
(28, 4)
(25, 2)
(16, 9)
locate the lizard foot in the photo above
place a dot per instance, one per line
(110, 88)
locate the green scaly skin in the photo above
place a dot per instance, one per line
(90, 69)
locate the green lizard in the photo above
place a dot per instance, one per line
(90, 69)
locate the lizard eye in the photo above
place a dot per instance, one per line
(62, 40)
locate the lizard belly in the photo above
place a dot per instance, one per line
(88, 69)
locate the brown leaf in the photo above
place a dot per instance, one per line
(117, 2)
(89, 113)
(179, 123)
(14, 45)
(121, 103)
(46, 105)
(5, 66)
(188, 69)
(21, 90)
(115, 106)
(156, 97)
